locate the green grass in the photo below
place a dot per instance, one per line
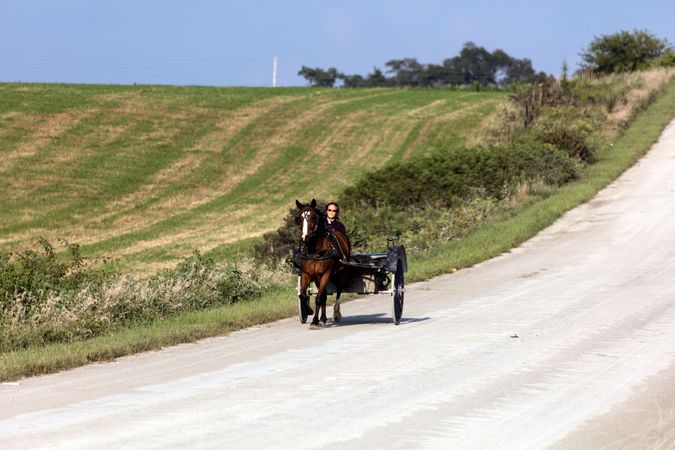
(147, 174)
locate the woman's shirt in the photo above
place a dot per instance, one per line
(336, 226)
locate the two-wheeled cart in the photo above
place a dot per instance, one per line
(373, 273)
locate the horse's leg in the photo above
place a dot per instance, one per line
(339, 281)
(325, 279)
(317, 306)
(337, 315)
(321, 301)
(305, 279)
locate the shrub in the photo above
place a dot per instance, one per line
(623, 51)
(43, 269)
(572, 137)
(448, 179)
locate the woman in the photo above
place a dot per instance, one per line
(332, 218)
(332, 224)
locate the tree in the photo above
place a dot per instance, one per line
(435, 75)
(622, 52)
(318, 77)
(518, 71)
(406, 71)
(353, 81)
(374, 79)
(475, 64)
(377, 79)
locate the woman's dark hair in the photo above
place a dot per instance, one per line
(337, 207)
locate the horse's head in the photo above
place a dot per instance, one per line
(308, 220)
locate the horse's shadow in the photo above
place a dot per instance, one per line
(375, 318)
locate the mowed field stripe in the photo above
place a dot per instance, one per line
(160, 171)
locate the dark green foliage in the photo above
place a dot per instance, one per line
(232, 284)
(377, 78)
(624, 51)
(278, 244)
(318, 77)
(572, 137)
(448, 179)
(474, 66)
(42, 269)
(406, 71)
(667, 60)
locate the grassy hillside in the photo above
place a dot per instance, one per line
(147, 174)
(55, 315)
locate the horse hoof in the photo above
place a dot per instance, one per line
(316, 326)
(337, 317)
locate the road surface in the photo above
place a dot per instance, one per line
(566, 342)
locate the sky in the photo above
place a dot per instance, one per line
(234, 42)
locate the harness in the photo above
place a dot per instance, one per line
(335, 244)
(335, 251)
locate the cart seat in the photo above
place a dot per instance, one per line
(367, 257)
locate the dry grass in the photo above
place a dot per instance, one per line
(497, 128)
(34, 318)
(642, 87)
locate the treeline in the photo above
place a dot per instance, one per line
(473, 66)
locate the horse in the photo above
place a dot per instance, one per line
(320, 258)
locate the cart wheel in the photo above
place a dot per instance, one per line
(301, 310)
(397, 294)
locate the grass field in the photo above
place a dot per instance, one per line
(147, 174)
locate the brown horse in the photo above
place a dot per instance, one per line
(319, 259)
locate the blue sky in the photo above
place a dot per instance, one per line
(233, 42)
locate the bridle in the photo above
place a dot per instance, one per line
(306, 233)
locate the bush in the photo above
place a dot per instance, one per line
(572, 138)
(43, 269)
(667, 60)
(448, 179)
(623, 51)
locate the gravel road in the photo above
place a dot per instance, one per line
(565, 342)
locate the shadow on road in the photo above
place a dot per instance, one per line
(376, 318)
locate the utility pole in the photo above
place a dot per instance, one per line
(274, 72)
